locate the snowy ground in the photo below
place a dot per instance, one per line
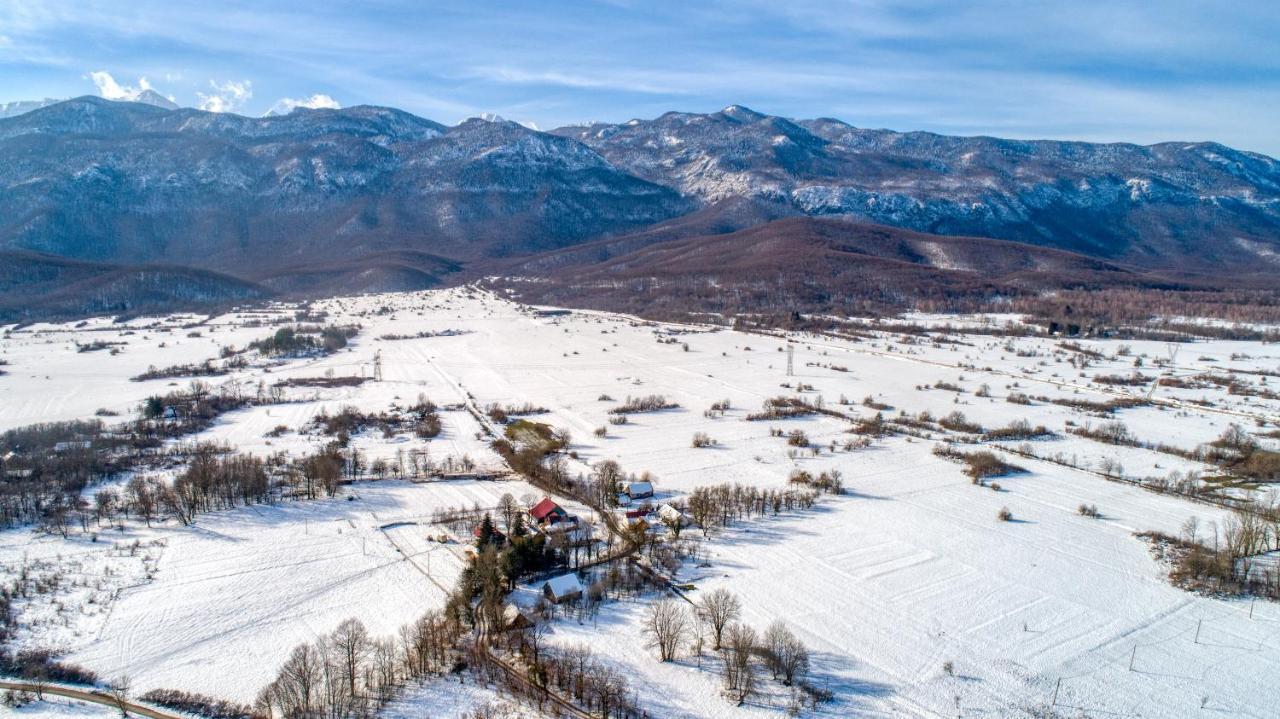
(906, 572)
(60, 708)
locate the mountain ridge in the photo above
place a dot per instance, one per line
(366, 197)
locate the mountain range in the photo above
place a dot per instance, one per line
(370, 198)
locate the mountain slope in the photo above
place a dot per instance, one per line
(809, 264)
(133, 183)
(35, 286)
(1159, 206)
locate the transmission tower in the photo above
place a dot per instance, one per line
(791, 360)
(377, 366)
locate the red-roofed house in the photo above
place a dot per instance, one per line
(547, 512)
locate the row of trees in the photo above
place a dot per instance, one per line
(721, 505)
(350, 673)
(672, 626)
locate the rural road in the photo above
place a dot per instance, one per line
(91, 695)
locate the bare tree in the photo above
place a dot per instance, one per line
(739, 673)
(350, 647)
(786, 655)
(508, 509)
(119, 692)
(666, 624)
(297, 688)
(717, 610)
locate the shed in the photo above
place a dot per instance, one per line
(562, 588)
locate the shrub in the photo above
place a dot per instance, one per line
(1018, 430)
(797, 438)
(701, 439)
(651, 403)
(1088, 510)
(601, 431)
(1004, 515)
(957, 422)
(199, 704)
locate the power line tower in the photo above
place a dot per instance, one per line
(791, 360)
(377, 366)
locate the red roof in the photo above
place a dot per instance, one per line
(544, 509)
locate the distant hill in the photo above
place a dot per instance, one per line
(35, 286)
(824, 265)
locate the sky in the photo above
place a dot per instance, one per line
(1101, 70)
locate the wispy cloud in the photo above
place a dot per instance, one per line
(1114, 69)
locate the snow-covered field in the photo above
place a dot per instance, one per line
(908, 570)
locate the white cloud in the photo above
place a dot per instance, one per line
(112, 90)
(226, 97)
(286, 105)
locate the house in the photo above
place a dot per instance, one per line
(548, 512)
(563, 588)
(498, 536)
(515, 620)
(640, 490)
(69, 446)
(671, 515)
(636, 515)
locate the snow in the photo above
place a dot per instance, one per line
(909, 570)
(54, 707)
(564, 585)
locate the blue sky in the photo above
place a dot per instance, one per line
(1115, 70)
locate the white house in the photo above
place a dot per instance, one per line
(640, 490)
(562, 588)
(670, 515)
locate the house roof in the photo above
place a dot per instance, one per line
(640, 488)
(670, 513)
(563, 585)
(543, 509)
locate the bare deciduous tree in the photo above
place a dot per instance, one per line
(717, 610)
(666, 624)
(739, 674)
(785, 654)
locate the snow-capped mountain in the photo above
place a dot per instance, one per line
(376, 197)
(1152, 205)
(128, 183)
(20, 107)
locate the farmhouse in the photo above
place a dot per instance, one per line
(548, 512)
(563, 588)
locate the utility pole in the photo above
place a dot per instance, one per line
(377, 366)
(791, 358)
